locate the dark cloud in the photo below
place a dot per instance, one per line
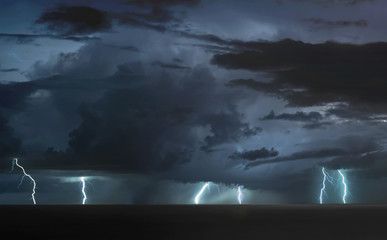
(139, 126)
(156, 15)
(354, 161)
(13, 95)
(321, 153)
(354, 112)
(372, 166)
(159, 11)
(70, 20)
(74, 20)
(212, 48)
(9, 144)
(178, 60)
(227, 45)
(345, 2)
(349, 146)
(318, 23)
(130, 19)
(162, 3)
(316, 125)
(354, 2)
(138, 102)
(341, 72)
(258, 86)
(255, 154)
(298, 116)
(125, 48)
(30, 38)
(276, 89)
(9, 70)
(170, 65)
(226, 128)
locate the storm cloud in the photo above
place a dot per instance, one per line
(254, 154)
(155, 131)
(298, 116)
(317, 23)
(341, 72)
(149, 97)
(350, 148)
(69, 20)
(9, 144)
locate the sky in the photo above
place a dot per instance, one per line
(149, 100)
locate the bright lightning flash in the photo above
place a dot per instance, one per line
(328, 178)
(323, 187)
(322, 191)
(345, 186)
(199, 195)
(83, 190)
(15, 162)
(239, 195)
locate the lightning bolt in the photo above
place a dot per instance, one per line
(239, 195)
(328, 178)
(15, 162)
(199, 195)
(83, 190)
(345, 186)
(322, 191)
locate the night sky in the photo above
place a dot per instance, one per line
(148, 100)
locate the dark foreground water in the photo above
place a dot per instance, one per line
(194, 222)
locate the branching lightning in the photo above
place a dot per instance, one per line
(326, 177)
(330, 179)
(345, 186)
(199, 195)
(15, 162)
(83, 190)
(240, 195)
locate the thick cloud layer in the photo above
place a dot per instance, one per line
(340, 72)
(69, 20)
(9, 144)
(254, 154)
(298, 116)
(151, 98)
(136, 124)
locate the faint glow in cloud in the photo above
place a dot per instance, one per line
(254, 30)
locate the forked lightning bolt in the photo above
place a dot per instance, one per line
(199, 195)
(83, 190)
(345, 186)
(330, 179)
(15, 162)
(326, 177)
(239, 195)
